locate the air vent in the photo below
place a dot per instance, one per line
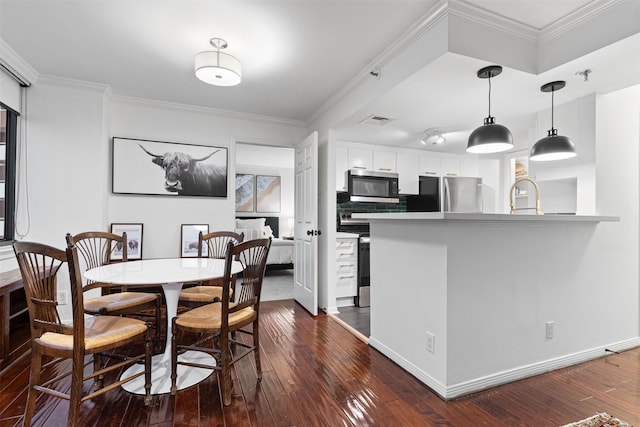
(376, 120)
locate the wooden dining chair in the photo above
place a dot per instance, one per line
(57, 340)
(216, 244)
(96, 249)
(218, 321)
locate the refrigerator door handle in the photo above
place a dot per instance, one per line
(447, 196)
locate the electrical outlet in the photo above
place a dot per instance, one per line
(549, 330)
(62, 297)
(431, 342)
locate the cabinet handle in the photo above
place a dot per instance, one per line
(346, 265)
(346, 277)
(384, 169)
(430, 173)
(452, 174)
(358, 167)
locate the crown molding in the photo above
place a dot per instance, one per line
(73, 83)
(16, 66)
(474, 13)
(429, 20)
(577, 18)
(207, 110)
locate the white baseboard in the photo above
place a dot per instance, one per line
(499, 378)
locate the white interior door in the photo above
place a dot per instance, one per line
(305, 288)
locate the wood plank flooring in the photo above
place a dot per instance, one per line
(315, 373)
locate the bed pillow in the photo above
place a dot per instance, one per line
(267, 232)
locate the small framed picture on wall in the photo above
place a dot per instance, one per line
(189, 240)
(134, 240)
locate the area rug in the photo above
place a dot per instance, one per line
(599, 420)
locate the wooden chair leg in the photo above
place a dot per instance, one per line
(256, 350)
(158, 344)
(98, 382)
(75, 395)
(225, 374)
(148, 353)
(34, 379)
(174, 356)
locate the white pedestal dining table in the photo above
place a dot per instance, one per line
(171, 273)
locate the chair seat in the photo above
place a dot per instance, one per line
(100, 331)
(203, 294)
(210, 317)
(116, 302)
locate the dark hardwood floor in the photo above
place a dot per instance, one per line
(315, 373)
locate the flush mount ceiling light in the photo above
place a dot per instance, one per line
(490, 137)
(433, 136)
(216, 67)
(553, 146)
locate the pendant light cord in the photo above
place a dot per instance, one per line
(552, 102)
(489, 94)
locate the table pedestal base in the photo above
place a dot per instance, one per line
(161, 373)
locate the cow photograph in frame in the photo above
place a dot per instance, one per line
(189, 237)
(134, 240)
(168, 168)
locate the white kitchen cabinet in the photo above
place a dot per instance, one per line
(430, 165)
(342, 164)
(384, 161)
(360, 158)
(450, 166)
(346, 267)
(408, 172)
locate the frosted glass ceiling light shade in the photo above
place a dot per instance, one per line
(490, 137)
(216, 67)
(553, 146)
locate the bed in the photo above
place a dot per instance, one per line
(281, 254)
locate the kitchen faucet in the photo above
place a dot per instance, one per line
(512, 199)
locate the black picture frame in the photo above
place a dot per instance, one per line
(134, 239)
(148, 167)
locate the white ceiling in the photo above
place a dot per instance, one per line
(296, 54)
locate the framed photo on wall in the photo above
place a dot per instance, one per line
(168, 169)
(134, 240)
(267, 193)
(189, 235)
(245, 192)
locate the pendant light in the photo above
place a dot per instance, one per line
(216, 67)
(490, 137)
(553, 146)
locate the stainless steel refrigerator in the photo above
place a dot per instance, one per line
(462, 194)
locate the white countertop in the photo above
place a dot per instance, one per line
(419, 216)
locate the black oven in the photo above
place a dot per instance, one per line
(370, 186)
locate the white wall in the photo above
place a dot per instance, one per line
(273, 161)
(161, 215)
(68, 169)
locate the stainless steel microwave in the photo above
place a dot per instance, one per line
(371, 186)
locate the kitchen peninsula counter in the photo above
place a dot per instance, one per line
(468, 301)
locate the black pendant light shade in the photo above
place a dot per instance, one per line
(553, 146)
(490, 137)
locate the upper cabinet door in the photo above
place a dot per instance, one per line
(384, 161)
(450, 166)
(342, 164)
(430, 165)
(360, 158)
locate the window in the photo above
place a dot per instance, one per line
(8, 121)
